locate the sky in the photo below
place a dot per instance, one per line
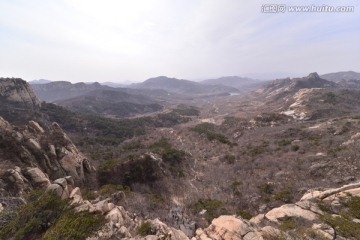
(133, 40)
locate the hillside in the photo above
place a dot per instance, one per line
(203, 170)
(18, 101)
(339, 76)
(39, 81)
(62, 90)
(241, 83)
(111, 103)
(185, 87)
(284, 86)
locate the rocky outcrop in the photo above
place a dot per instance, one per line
(122, 224)
(307, 214)
(227, 227)
(17, 91)
(38, 151)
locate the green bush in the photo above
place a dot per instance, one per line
(163, 143)
(145, 229)
(244, 214)
(229, 159)
(208, 129)
(170, 155)
(173, 156)
(257, 150)
(266, 188)
(353, 205)
(47, 216)
(109, 164)
(75, 226)
(288, 224)
(186, 111)
(212, 207)
(284, 142)
(108, 189)
(284, 196)
(295, 147)
(344, 227)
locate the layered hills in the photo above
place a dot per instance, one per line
(277, 163)
(185, 87)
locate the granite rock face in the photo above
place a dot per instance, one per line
(39, 153)
(18, 91)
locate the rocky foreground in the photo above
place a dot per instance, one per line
(48, 159)
(313, 217)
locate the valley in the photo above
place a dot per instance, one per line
(188, 158)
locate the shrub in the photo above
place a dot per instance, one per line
(266, 188)
(288, 224)
(284, 142)
(235, 187)
(173, 156)
(325, 207)
(229, 159)
(353, 205)
(244, 214)
(163, 143)
(295, 147)
(330, 98)
(346, 228)
(212, 207)
(186, 111)
(170, 155)
(109, 164)
(284, 196)
(145, 229)
(49, 216)
(109, 189)
(257, 150)
(75, 225)
(208, 129)
(133, 145)
(134, 169)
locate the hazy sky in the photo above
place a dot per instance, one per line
(132, 40)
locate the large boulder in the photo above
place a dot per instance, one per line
(49, 151)
(289, 210)
(37, 177)
(228, 227)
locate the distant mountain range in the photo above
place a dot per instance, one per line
(39, 81)
(312, 97)
(287, 85)
(62, 90)
(339, 76)
(185, 87)
(241, 83)
(111, 103)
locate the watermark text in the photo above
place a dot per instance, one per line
(283, 8)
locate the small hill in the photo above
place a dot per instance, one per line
(18, 101)
(185, 87)
(285, 86)
(62, 90)
(39, 81)
(234, 81)
(111, 102)
(312, 97)
(338, 76)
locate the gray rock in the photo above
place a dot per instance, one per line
(36, 127)
(37, 177)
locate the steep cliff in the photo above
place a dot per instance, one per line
(18, 100)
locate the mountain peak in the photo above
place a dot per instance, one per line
(313, 75)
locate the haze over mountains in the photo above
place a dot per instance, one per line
(201, 160)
